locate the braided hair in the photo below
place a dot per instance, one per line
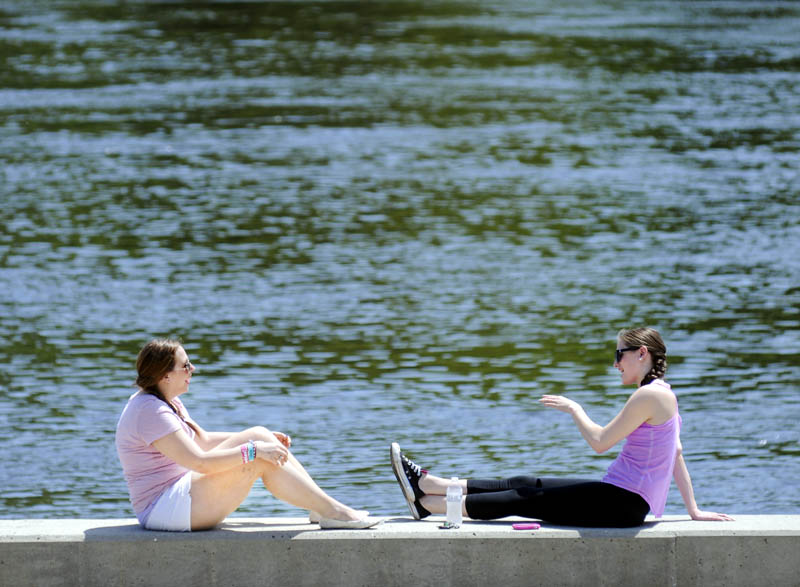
(156, 359)
(650, 338)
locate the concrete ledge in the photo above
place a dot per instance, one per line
(753, 550)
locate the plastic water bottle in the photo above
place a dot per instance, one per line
(454, 494)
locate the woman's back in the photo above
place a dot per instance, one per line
(645, 464)
(147, 472)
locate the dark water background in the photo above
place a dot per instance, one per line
(402, 221)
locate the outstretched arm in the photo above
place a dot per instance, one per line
(684, 483)
(637, 409)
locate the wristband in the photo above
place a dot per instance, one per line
(251, 450)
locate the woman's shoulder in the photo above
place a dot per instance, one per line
(141, 398)
(138, 403)
(659, 395)
(656, 387)
(145, 402)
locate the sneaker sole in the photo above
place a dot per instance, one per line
(405, 485)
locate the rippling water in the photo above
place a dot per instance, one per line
(399, 221)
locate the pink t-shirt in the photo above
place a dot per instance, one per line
(144, 420)
(645, 464)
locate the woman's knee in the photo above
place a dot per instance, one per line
(524, 482)
(259, 433)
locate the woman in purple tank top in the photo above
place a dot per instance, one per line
(637, 482)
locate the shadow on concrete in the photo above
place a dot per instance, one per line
(407, 520)
(608, 532)
(233, 528)
(583, 532)
(250, 527)
(230, 528)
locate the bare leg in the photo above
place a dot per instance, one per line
(435, 489)
(437, 504)
(433, 485)
(261, 433)
(215, 496)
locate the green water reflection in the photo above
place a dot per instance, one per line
(398, 221)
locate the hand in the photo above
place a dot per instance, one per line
(272, 452)
(702, 516)
(559, 402)
(284, 439)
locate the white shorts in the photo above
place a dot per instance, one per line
(173, 510)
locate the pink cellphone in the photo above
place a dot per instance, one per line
(526, 526)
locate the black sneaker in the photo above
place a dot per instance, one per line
(408, 475)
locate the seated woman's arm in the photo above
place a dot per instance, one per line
(181, 448)
(205, 439)
(684, 483)
(209, 440)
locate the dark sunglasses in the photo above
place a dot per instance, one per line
(618, 352)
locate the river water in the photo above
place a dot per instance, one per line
(374, 222)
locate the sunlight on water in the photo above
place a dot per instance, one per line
(375, 222)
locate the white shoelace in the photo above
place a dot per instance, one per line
(414, 467)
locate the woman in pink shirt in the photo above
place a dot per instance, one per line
(182, 477)
(636, 483)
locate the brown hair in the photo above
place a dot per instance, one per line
(156, 359)
(650, 338)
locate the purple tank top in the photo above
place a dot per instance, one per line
(645, 464)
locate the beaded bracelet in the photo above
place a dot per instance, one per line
(248, 451)
(251, 450)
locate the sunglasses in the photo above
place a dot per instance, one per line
(618, 352)
(187, 366)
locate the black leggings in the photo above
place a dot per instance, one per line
(566, 502)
